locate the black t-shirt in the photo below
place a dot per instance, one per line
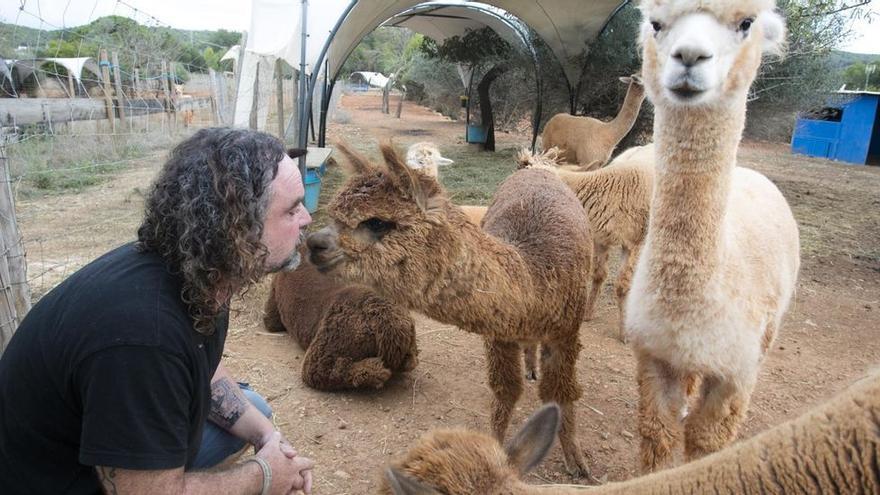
(106, 370)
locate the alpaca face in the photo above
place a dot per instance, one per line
(426, 157)
(388, 230)
(705, 52)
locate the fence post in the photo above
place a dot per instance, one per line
(105, 75)
(15, 300)
(279, 97)
(215, 97)
(120, 96)
(167, 103)
(136, 84)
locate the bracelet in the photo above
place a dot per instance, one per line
(267, 472)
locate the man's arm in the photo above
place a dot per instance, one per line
(242, 479)
(231, 410)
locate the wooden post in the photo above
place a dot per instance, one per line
(15, 300)
(167, 102)
(105, 75)
(120, 96)
(216, 97)
(71, 90)
(279, 97)
(172, 83)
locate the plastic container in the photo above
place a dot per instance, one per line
(476, 134)
(312, 184)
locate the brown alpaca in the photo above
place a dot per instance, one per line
(521, 279)
(834, 448)
(589, 142)
(617, 199)
(352, 337)
(720, 261)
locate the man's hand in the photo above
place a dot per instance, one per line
(290, 472)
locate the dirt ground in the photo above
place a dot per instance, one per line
(829, 338)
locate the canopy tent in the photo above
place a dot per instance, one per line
(336, 27)
(73, 65)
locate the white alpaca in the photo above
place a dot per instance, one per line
(427, 158)
(720, 261)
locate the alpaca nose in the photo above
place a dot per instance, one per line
(690, 56)
(322, 241)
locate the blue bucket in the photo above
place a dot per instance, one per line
(477, 133)
(312, 185)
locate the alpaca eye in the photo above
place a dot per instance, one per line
(657, 26)
(746, 24)
(377, 226)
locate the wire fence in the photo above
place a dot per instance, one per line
(83, 132)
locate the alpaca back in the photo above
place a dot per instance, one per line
(302, 296)
(538, 215)
(580, 139)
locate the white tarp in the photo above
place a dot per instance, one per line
(74, 66)
(374, 79)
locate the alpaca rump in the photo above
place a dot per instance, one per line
(589, 142)
(353, 338)
(834, 448)
(522, 279)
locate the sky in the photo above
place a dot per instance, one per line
(234, 15)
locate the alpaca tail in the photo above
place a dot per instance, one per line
(548, 159)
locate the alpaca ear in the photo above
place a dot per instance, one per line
(404, 175)
(357, 164)
(402, 484)
(636, 78)
(443, 161)
(773, 28)
(529, 447)
(626, 80)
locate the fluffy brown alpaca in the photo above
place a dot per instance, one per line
(589, 142)
(720, 260)
(521, 279)
(353, 337)
(834, 448)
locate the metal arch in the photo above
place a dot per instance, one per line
(517, 27)
(575, 96)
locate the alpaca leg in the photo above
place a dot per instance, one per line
(505, 379)
(600, 271)
(530, 359)
(624, 280)
(714, 423)
(661, 399)
(559, 383)
(271, 316)
(328, 372)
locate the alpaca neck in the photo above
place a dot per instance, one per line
(695, 159)
(623, 122)
(475, 288)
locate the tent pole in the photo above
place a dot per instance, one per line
(303, 115)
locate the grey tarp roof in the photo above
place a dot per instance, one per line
(567, 26)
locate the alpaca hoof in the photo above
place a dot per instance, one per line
(531, 375)
(370, 373)
(577, 469)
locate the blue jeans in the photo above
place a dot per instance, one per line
(217, 443)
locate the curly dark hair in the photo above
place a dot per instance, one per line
(204, 215)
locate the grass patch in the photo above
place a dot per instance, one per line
(46, 164)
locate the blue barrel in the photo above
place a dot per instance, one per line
(476, 133)
(312, 185)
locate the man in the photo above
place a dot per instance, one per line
(109, 380)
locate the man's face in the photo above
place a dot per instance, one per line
(286, 216)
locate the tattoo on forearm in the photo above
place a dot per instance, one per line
(227, 403)
(107, 475)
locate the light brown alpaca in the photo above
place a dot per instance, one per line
(720, 260)
(521, 279)
(617, 199)
(833, 448)
(587, 141)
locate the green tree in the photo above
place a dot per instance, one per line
(856, 75)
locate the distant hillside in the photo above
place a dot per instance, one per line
(12, 36)
(841, 60)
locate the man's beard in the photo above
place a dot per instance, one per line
(292, 261)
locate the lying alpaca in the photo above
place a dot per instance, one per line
(427, 158)
(521, 279)
(617, 199)
(831, 449)
(720, 260)
(352, 337)
(589, 142)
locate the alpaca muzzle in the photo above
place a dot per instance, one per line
(324, 250)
